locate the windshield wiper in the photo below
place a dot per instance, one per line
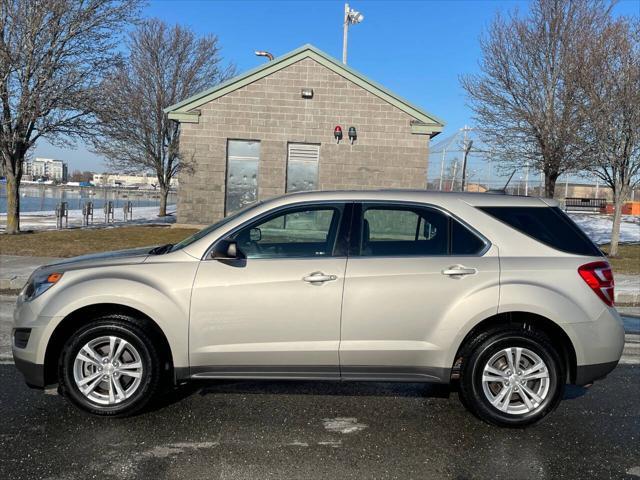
(161, 249)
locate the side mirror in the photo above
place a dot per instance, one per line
(255, 234)
(227, 250)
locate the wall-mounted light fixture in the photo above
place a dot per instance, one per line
(353, 135)
(307, 93)
(337, 133)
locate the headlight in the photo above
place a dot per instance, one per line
(38, 284)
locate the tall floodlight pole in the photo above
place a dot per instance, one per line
(351, 17)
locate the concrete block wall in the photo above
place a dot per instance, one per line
(271, 110)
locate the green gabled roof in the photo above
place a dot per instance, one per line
(181, 111)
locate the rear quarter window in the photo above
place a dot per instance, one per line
(548, 225)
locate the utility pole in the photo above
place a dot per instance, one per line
(526, 179)
(453, 178)
(351, 17)
(466, 146)
(444, 152)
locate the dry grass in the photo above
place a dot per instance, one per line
(70, 243)
(627, 261)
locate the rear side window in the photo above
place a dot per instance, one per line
(402, 230)
(393, 231)
(463, 242)
(548, 225)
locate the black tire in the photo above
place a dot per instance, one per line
(480, 351)
(130, 329)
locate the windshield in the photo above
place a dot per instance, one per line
(206, 231)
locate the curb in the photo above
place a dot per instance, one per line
(631, 298)
(13, 283)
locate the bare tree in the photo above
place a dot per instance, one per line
(525, 97)
(53, 54)
(165, 65)
(610, 86)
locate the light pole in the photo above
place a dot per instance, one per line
(351, 17)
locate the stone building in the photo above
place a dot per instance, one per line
(272, 130)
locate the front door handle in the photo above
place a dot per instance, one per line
(459, 270)
(318, 277)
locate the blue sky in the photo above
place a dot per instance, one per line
(418, 49)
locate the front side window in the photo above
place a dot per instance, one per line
(243, 158)
(299, 232)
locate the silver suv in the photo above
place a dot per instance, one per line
(503, 296)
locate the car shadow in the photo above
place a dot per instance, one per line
(330, 388)
(571, 392)
(296, 387)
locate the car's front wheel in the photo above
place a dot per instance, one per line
(110, 367)
(512, 377)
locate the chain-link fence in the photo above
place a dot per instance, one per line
(464, 151)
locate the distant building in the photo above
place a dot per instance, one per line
(46, 168)
(142, 180)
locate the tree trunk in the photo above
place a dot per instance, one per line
(164, 193)
(13, 203)
(550, 184)
(618, 200)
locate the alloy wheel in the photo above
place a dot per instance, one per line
(108, 370)
(516, 381)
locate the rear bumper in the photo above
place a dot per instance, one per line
(586, 374)
(33, 373)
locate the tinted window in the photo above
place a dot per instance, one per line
(463, 241)
(403, 231)
(550, 226)
(303, 232)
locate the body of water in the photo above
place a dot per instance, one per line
(37, 198)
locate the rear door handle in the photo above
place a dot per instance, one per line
(319, 277)
(459, 270)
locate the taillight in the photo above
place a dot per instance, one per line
(599, 277)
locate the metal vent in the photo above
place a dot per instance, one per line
(302, 167)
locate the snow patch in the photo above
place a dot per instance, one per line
(177, 448)
(598, 227)
(343, 425)
(44, 220)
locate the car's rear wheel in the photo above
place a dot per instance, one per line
(110, 367)
(512, 377)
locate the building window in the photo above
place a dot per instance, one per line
(302, 167)
(243, 157)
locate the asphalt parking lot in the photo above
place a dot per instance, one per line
(282, 430)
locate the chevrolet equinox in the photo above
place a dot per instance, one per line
(504, 296)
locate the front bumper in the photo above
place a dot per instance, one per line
(29, 339)
(33, 373)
